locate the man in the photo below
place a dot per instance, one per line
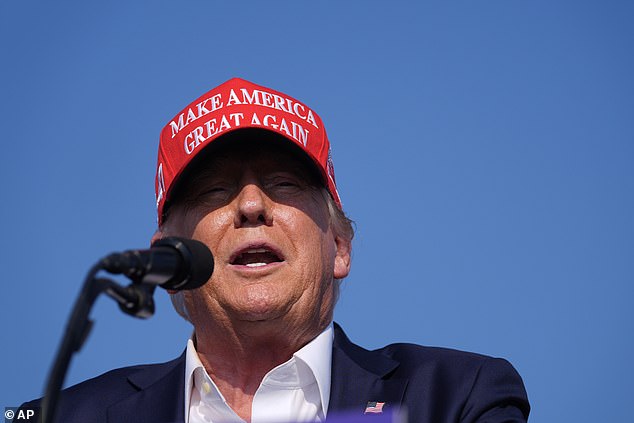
(248, 171)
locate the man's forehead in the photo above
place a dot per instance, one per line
(256, 147)
(261, 151)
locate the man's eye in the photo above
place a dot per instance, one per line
(210, 190)
(284, 183)
(214, 192)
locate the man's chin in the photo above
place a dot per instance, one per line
(261, 314)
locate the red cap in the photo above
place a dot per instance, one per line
(238, 104)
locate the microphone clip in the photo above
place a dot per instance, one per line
(136, 299)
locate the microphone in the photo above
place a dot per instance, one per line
(171, 263)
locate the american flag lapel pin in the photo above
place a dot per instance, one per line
(374, 407)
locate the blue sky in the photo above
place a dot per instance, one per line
(484, 149)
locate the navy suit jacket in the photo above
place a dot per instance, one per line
(433, 385)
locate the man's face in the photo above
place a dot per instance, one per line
(259, 209)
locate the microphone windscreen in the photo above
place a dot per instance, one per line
(197, 263)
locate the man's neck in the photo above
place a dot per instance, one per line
(238, 357)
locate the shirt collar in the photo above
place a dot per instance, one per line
(317, 355)
(192, 362)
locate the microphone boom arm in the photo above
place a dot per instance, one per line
(135, 300)
(172, 263)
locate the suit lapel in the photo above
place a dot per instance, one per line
(360, 376)
(160, 396)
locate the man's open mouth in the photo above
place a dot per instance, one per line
(256, 257)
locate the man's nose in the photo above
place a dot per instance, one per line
(253, 206)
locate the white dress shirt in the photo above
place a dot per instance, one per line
(295, 391)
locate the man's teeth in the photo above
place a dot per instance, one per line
(256, 257)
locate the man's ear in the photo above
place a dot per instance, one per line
(158, 234)
(342, 258)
